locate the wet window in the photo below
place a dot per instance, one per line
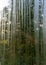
(22, 32)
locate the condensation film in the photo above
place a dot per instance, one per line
(22, 32)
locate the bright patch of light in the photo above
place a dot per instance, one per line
(42, 15)
(3, 3)
(9, 22)
(41, 25)
(37, 28)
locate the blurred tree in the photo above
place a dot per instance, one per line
(41, 46)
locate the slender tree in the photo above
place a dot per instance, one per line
(41, 49)
(32, 33)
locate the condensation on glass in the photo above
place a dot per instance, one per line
(23, 36)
